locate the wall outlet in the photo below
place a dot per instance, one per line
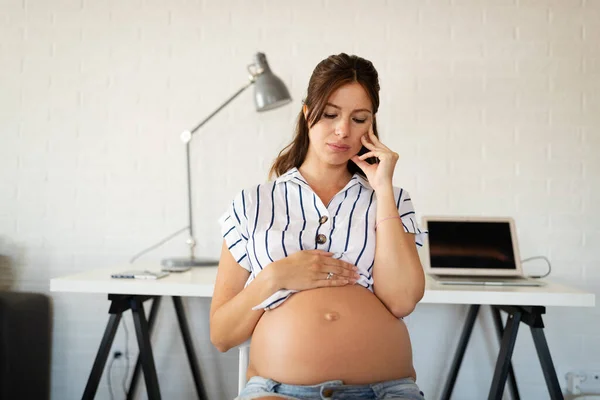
(579, 382)
(592, 383)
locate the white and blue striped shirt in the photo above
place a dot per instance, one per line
(269, 222)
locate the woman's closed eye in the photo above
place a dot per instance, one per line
(332, 116)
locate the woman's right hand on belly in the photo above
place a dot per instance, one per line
(309, 269)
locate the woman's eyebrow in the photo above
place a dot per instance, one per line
(339, 108)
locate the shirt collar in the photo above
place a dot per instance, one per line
(295, 176)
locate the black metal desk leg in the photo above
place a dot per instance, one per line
(143, 339)
(189, 347)
(539, 339)
(460, 351)
(100, 361)
(506, 349)
(136, 370)
(512, 381)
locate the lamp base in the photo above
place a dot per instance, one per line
(184, 263)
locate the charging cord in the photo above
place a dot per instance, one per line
(116, 355)
(539, 258)
(154, 246)
(126, 373)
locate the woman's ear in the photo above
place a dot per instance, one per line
(305, 111)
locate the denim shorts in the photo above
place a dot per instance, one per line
(336, 390)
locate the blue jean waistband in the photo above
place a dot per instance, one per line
(336, 389)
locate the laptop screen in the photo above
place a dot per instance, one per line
(471, 244)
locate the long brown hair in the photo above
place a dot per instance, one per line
(329, 75)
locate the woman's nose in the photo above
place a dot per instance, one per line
(342, 128)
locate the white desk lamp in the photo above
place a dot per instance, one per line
(269, 92)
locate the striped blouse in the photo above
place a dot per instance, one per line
(270, 221)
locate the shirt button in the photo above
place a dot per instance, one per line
(321, 239)
(323, 219)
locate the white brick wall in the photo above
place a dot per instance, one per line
(493, 106)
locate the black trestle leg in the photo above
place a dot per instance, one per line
(539, 339)
(189, 347)
(506, 349)
(136, 371)
(512, 380)
(460, 351)
(143, 338)
(101, 356)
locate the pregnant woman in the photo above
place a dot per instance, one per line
(320, 265)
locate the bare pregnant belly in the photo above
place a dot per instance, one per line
(328, 334)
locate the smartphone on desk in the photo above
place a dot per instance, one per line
(136, 274)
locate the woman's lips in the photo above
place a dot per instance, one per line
(338, 148)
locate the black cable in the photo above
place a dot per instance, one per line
(126, 374)
(110, 365)
(536, 258)
(162, 241)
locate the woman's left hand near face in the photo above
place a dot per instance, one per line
(379, 174)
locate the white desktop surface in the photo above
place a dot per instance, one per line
(551, 294)
(199, 282)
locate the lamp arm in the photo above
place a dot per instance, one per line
(186, 138)
(222, 106)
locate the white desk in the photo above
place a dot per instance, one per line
(130, 294)
(523, 304)
(199, 282)
(552, 294)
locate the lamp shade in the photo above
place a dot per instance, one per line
(269, 91)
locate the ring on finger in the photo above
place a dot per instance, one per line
(329, 275)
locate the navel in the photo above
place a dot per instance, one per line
(332, 316)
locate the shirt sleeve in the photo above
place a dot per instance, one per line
(234, 229)
(408, 216)
(275, 300)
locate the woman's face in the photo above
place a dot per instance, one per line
(346, 117)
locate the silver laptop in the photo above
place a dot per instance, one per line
(474, 251)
